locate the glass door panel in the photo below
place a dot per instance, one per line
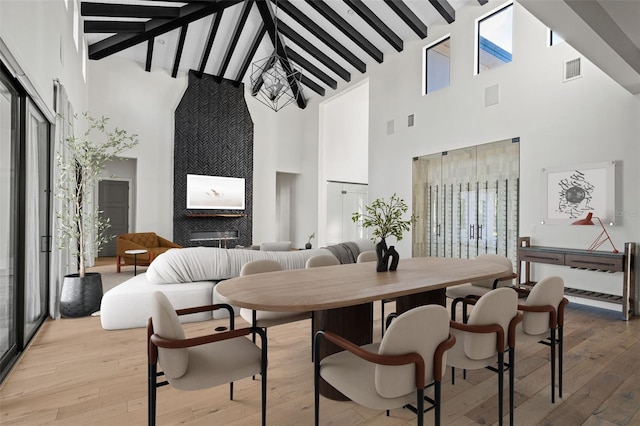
(8, 224)
(36, 228)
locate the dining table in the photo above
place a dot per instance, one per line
(342, 296)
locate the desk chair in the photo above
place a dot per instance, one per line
(543, 321)
(395, 372)
(199, 362)
(485, 337)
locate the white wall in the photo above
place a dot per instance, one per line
(39, 36)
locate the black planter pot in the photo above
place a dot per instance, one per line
(307, 246)
(80, 297)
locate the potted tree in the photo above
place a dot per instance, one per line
(386, 220)
(80, 161)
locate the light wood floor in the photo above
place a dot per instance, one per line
(75, 373)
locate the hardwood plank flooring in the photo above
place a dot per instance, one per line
(76, 373)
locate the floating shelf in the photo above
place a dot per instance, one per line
(229, 215)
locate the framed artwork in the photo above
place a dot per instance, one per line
(215, 192)
(569, 193)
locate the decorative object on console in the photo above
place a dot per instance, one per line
(274, 81)
(80, 160)
(601, 238)
(308, 245)
(386, 220)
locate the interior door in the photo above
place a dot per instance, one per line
(113, 203)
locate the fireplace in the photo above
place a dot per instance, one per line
(217, 238)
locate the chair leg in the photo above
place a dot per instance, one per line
(151, 384)
(500, 387)
(316, 384)
(512, 361)
(313, 327)
(437, 394)
(420, 411)
(553, 365)
(382, 319)
(560, 353)
(453, 375)
(118, 264)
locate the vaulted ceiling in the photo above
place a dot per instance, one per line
(328, 41)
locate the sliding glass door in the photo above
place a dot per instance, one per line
(36, 241)
(8, 222)
(24, 220)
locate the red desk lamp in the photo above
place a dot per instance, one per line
(601, 238)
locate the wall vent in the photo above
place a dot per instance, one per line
(572, 69)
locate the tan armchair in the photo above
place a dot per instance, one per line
(154, 244)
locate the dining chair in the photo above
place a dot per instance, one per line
(482, 341)
(543, 322)
(371, 256)
(459, 293)
(321, 260)
(264, 319)
(200, 362)
(395, 372)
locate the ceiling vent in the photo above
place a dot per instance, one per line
(572, 69)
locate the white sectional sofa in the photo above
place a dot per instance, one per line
(187, 276)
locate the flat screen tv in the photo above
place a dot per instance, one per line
(215, 192)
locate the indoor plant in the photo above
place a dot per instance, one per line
(80, 161)
(386, 220)
(308, 245)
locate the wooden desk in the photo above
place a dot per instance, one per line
(602, 261)
(342, 296)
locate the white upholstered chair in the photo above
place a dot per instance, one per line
(264, 319)
(489, 333)
(543, 321)
(199, 362)
(479, 288)
(321, 260)
(393, 373)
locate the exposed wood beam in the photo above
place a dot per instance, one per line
(179, 49)
(150, 44)
(322, 35)
(308, 66)
(127, 10)
(156, 27)
(213, 30)
(315, 52)
(402, 10)
(259, 80)
(118, 27)
(376, 23)
(333, 17)
(251, 53)
(312, 85)
(264, 6)
(246, 8)
(444, 9)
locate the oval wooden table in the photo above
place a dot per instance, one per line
(342, 296)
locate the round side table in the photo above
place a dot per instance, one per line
(135, 254)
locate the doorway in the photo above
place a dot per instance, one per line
(116, 192)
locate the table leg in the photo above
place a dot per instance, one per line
(135, 265)
(405, 303)
(354, 323)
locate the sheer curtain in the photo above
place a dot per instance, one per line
(32, 231)
(61, 260)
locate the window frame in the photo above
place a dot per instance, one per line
(479, 20)
(425, 65)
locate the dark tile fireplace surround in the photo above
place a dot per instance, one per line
(214, 137)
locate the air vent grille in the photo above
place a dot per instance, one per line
(572, 69)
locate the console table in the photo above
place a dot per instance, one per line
(601, 261)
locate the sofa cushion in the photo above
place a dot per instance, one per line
(276, 246)
(128, 305)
